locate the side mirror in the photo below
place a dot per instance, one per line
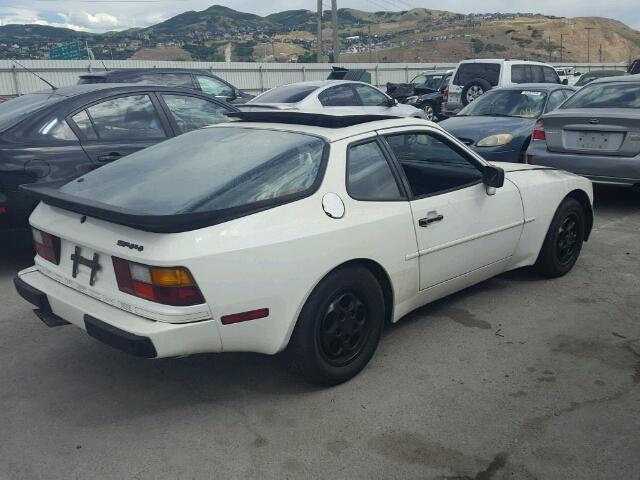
(565, 81)
(392, 102)
(492, 177)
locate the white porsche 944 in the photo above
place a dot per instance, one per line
(290, 232)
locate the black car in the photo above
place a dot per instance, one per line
(58, 135)
(200, 80)
(424, 92)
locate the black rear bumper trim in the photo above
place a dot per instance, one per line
(136, 345)
(40, 300)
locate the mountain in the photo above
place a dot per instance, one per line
(416, 35)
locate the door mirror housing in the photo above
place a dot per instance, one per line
(565, 82)
(492, 177)
(392, 102)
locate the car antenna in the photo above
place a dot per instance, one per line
(105, 67)
(53, 87)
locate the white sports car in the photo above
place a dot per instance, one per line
(290, 231)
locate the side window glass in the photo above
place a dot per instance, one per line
(519, 73)
(84, 124)
(371, 97)
(133, 117)
(550, 75)
(214, 87)
(191, 113)
(177, 80)
(555, 99)
(57, 129)
(369, 176)
(340, 96)
(431, 165)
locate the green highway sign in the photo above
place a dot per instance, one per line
(68, 51)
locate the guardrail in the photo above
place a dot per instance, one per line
(252, 77)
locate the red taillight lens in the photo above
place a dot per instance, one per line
(445, 95)
(538, 131)
(169, 286)
(46, 245)
(3, 210)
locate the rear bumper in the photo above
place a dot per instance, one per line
(623, 171)
(58, 304)
(450, 109)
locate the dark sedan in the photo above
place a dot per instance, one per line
(200, 80)
(596, 133)
(60, 134)
(499, 124)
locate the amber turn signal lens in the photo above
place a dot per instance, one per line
(170, 277)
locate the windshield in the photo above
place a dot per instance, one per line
(428, 81)
(606, 95)
(285, 94)
(16, 109)
(507, 103)
(206, 170)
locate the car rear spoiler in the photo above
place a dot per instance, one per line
(50, 194)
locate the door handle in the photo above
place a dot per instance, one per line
(430, 218)
(109, 157)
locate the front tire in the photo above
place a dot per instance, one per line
(429, 112)
(339, 327)
(564, 240)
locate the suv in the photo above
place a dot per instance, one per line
(473, 78)
(172, 77)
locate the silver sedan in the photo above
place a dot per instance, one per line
(334, 96)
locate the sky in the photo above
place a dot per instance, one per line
(105, 15)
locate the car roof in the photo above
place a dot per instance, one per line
(625, 78)
(108, 73)
(330, 134)
(87, 88)
(504, 60)
(322, 83)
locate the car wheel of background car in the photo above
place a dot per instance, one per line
(564, 240)
(429, 112)
(474, 89)
(339, 327)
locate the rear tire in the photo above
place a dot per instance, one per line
(429, 111)
(339, 327)
(564, 240)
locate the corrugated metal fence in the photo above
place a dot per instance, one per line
(252, 77)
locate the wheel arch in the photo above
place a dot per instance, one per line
(583, 199)
(377, 270)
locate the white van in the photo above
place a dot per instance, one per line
(473, 78)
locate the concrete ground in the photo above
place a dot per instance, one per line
(516, 378)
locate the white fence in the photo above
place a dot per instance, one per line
(252, 77)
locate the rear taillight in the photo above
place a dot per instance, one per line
(3, 210)
(169, 286)
(46, 245)
(445, 95)
(538, 131)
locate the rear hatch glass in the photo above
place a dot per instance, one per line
(206, 170)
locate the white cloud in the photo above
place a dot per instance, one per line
(25, 16)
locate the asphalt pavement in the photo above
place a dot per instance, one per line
(518, 377)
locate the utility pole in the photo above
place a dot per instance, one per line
(369, 42)
(600, 53)
(562, 35)
(319, 33)
(588, 29)
(334, 21)
(549, 48)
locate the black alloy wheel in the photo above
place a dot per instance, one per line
(567, 239)
(344, 328)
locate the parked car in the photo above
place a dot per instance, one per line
(291, 231)
(336, 96)
(195, 79)
(569, 74)
(499, 124)
(473, 78)
(64, 133)
(424, 92)
(596, 133)
(591, 76)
